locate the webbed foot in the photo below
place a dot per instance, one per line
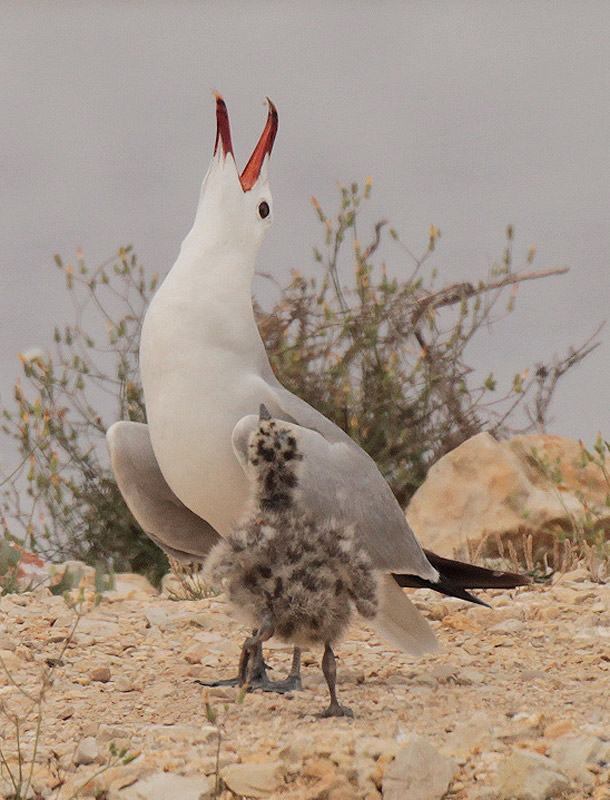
(336, 710)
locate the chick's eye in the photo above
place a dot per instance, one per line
(263, 209)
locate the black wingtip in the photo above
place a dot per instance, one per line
(444, 586)
(471, 576)
(456, 577)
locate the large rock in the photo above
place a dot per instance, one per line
(419, 772)
(486, 490)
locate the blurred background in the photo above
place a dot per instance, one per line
(466, 115)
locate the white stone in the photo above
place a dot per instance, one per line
(374, 746)
(297, 749)
(123, 684)
(110, 733)
(127, 584)
(419, 772)
(156, 616)
(165, 786)
(254, 780)
(87, 751)
(469, 676)
(99, 629)
(468, 734)
(508, 626)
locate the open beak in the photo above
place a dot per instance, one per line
(223, 127)
(253, 168)
(265, 144)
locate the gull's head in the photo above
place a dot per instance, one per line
(236, 210)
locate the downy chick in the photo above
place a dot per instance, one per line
(286, 575)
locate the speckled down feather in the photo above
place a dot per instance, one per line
(281, 566)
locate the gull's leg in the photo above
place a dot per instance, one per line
(329, 668)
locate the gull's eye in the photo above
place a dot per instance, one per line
(263, 209)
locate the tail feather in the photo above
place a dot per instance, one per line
(400, 623)
(457, 576)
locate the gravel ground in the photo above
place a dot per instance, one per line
(529, 674)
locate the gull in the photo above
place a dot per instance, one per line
(285, 570)
(204, 367)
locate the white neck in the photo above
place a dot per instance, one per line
(204, 305)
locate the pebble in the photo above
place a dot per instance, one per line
(156, 616)
(124, 684)
(508, 626)
(528, 675)
(297, 749)
(469, 734)
(558, 728)
(110, 733)
(101, 674)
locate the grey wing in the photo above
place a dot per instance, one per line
(340, 480)
(164, 518)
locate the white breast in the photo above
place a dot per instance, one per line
(202, 368)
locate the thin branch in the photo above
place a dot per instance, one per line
(457, 292)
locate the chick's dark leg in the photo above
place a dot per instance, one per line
(293, 682)
(257, 666)
(252, 660)
(249, 666)
(329, 668)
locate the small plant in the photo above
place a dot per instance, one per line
(63, 501)
(192, 585)
(588, 523)
(212, 717)
(10, 559)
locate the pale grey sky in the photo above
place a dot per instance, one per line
(468, 115)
